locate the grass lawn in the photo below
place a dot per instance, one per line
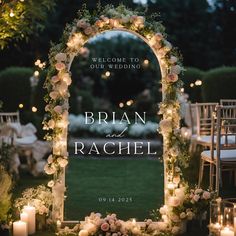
(129, 187)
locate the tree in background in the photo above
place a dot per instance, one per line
(19, 19)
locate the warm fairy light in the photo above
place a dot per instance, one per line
(129, 103)
(192, 85)
(21, 105)
(146, 62)
(198, 82)
(182, 90)
(121, 104)
(34, 109)
(36, 73)
(11, 13)
(108, 73)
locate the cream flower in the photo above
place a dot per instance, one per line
(138, 21)
(51, 184)
(50, 159)
(83, 232)
(182, 215)
(173, 60)
(88, 30)
(51, 124)
(175, 230)
(206, 195)
(66, 78)
(196, 197)
(82, 23)
(62, 162)
(175, 69)
(162, 226)
(166, 126)
(58, 109)
(49, 169)
(60, 66)
(60, 57)
(53, 95)
(171, 78)
(55, 79)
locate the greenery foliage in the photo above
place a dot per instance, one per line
(219, 83)
(5, 195)
(190, 76)
(15, 83)
(19, 19)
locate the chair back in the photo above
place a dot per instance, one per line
(203, 114)
(225, 127)
(228, 102)
(9, 117)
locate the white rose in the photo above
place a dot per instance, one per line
(83, 232)
(60, 57)
(206, 195)
(175, 69)
(49, 169)
(182, 215)
(173, 59)
(175, 230)
(51, 124)
(62, 162)
(163, 210)
(198, 191)
(66, 78)
(196, 197)
(166, 126)
(50, 159)
(51, 184)
(162, 226)
(190, 215)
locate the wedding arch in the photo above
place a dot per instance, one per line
(59, 78)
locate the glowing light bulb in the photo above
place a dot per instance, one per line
(36, 73)
(146, 62)
(34, 109)
(191, 85)
(21, 105)
(108, 73)
(121, 104)
(11, 13)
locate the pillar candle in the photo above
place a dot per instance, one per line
(25, 218)
(19, 228)
(30, 210)
(226, 232)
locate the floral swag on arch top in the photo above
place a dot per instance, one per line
(180, 201)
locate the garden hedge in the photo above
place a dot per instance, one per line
(15, 87)
(190, 76)
(219, 83)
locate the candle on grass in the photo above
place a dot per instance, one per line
(20, 228)
(30, 210)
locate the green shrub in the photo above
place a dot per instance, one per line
(15, 87)
(191, 75)
(219, 83)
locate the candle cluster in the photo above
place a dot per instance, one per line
(26, 225)
(223, 218)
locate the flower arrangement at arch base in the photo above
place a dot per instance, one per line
(171, 219)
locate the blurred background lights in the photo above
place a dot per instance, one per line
(34, 109)
(121, 104)
(21, 105)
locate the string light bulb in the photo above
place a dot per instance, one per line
(11, 13)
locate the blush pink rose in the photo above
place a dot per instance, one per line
(171, 78)
(58, 109)
(55, 79)
(82, 23)
(53, 95)
(206, 195)
(105, 227)
(60, 66)
(88, 30)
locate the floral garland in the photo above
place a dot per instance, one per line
(59, 78)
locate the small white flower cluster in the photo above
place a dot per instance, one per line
(40, 197)
(77, 123)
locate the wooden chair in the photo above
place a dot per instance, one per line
(228, 102)
(222, 154)
(9, 117)
(201, 119)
